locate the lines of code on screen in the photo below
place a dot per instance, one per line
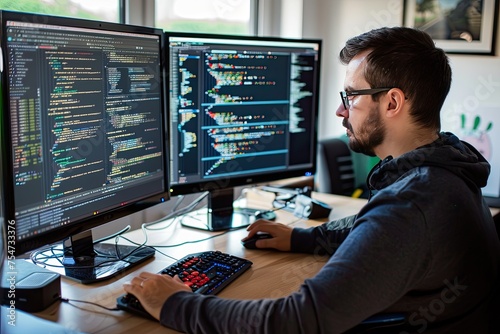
(238, 110)
(85, 120)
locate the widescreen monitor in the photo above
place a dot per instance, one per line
(242, 110)
(83, 135)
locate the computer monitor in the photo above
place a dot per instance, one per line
(83, 135)
(242, 110)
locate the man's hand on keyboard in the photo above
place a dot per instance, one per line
(152, 290)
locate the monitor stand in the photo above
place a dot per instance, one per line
(220, 214)
(87, 262)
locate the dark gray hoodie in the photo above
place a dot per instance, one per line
(424, 245)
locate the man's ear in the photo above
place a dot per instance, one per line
(395, 100)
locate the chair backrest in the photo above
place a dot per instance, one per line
(495, 301)
(335, 167)
(496, 220)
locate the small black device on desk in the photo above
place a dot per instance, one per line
(206, 272)
(29, 287)
(300, 202)
(310, 208)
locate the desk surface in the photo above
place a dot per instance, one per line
(273, 274)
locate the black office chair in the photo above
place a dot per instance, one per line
(496, 220)
(495, 302)
(335, 170)
(386, 323)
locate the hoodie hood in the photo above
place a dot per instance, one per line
(446, 152)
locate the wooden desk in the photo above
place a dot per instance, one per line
(495, 212)
(273, 274)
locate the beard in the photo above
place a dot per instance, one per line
(369, 135)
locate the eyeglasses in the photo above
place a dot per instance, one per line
(344, 96)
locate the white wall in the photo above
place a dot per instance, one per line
(476, 79)
(335, 22)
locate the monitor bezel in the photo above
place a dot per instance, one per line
(58, 234)
(236, 181)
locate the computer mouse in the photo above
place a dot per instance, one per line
(250, 243)
(268, 215)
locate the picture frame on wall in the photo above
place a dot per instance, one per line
(481, 130)
(457, 26)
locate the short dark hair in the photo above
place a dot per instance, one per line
(407, 59)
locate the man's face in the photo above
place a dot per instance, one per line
(364, 124)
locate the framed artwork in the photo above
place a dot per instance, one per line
(457, 26)
(481, 130)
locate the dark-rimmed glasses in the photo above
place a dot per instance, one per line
(345, 95)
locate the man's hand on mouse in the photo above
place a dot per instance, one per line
(281, 233)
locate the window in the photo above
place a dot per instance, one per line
(101, 10)
(216, 16)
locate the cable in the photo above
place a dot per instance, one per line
(179, 200)
(183, 243)
(175, 214)
(165, 254)
(69, 301)
(125, 229)
(39, 256)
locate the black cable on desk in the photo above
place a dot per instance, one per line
(67, 300)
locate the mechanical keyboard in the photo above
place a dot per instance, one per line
(206, 272)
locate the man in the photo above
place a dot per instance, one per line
(424, 245)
